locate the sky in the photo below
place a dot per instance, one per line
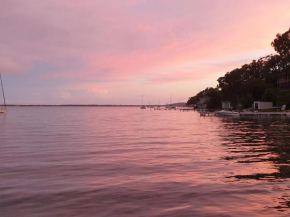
(113, 51)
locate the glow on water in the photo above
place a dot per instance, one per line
(116, 161)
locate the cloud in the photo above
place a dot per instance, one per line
(114, 41)
(8, 65)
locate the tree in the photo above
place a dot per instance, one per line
(284, 98)
(254, 81)
(193, 100)
(247, 101)
(270, 95)
(282, 43)
(215, 98)
(213, 93)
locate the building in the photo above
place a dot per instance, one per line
(202, 102)
(262, 105)
(226, 105)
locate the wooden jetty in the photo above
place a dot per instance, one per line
(205, 112)
(264, 114)
(186, 109)
(209, 114)
(261, 114)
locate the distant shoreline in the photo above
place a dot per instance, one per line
(72, 105)
(83, 105)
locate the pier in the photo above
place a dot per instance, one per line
(209, 114)
(186, 109)
(205, 113)
(265, 114)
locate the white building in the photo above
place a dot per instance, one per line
(202, 102)
(226, 105)
(263, 105)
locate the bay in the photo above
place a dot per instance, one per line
(124, 161)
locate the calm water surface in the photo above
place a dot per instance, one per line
(79, 161)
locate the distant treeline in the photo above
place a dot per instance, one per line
(254, 81)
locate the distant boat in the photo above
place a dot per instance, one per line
(170, 106)
(158, 107)
(3, 110)
(142, 106)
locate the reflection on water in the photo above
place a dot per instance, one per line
(256, 142)
(133, 162)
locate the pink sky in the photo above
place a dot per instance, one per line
(113, 51)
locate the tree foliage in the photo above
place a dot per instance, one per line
(254, 81)
(282, 43)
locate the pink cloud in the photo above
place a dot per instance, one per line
(88, 87)
(120, 41)
(9, 65)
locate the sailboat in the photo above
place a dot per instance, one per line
(3, 110)
(158, 106)
(142, 106)
(170, 106)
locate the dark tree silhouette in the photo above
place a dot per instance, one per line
(282, 43)
(254, 81)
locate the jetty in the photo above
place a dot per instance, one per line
(205, 112)
(252, 114)
(264, 114)
(186, 109)
(209, 114)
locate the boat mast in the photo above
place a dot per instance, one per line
(3, 91)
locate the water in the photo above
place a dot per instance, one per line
(97, 161)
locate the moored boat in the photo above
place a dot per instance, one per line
(227, 113)
(170, 107)
(3, 110)
(142, 106)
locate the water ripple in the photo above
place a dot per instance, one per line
(100, 161)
